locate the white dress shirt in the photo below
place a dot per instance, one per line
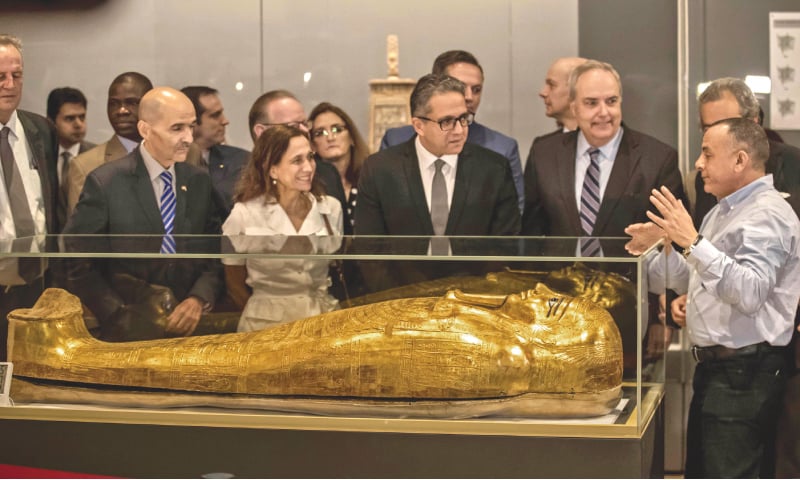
(608, 153)
(73, 152)
(154, 171)
(427, 169)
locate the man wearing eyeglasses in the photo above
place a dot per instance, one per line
(595, 181)
(437, 183)
(224, 163)
(465, 67)
(281, 107)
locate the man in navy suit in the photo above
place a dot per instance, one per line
(223, 162)
(465, 67)
(129, 196)
(32, 148)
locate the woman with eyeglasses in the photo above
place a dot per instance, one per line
(280, 207)
(337, 141)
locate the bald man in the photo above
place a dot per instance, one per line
(555, 93)
(127, 196)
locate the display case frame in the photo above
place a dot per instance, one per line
(640, 421)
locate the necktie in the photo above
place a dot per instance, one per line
(168, 213)
(439, 208)
(20, 209)
(590, 205)
(66, 156)
(590, 194)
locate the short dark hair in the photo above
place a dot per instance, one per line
(60, 96)
(134, 77)
(748, 136)
(427, 86)
(194, 93)
(451, 57)
(258, 112)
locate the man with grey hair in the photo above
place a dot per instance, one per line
(732, 98)
(595, 181)
(741, 273)
(437, 183)
(29, 191)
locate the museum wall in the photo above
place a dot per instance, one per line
(319, 49)
(731, 38)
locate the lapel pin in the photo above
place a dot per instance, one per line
(183, 188)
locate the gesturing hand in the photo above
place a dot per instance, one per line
(674, 219)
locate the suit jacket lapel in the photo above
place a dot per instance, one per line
(625, 164)
(47, 177)
(464, 172)
(416, 192)
(181, 192)
(114, 149)
(143, 189)
(565, 176)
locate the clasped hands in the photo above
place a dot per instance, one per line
(674, 225)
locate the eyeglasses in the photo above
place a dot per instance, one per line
(334, 130)
(449, 123)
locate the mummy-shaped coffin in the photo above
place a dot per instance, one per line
(540, 347)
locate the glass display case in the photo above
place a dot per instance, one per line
(486, 274)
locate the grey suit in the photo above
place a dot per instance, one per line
(118, 198)
(642, 163)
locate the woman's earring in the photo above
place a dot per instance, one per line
(274, 182)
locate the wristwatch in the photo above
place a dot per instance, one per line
(688, 251)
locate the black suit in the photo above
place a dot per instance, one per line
(391, 198)
(391, 201)
(42, 146)
(642, 163)
(784, 165)
(225, 165)
(118, 198)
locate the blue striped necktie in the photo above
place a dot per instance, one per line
(168, 213)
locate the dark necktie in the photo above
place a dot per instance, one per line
(29, 268)
(65, 167)
(590, 205)
(168, 213)
(590, 194)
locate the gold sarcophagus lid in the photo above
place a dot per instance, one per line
(534, 353)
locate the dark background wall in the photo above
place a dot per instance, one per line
(731, 38)
(640, 39)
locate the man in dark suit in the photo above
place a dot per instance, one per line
(595, 181)
(395, 188)
(66, 108)
(223, 162)
(29, 188)
(729, 98)
(280, 107)
(151, 191)
(465, 67)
